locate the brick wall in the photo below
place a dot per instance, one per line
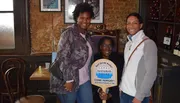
(45, 25)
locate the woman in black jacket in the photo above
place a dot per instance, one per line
(106, 45)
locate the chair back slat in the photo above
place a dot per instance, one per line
(12, 79)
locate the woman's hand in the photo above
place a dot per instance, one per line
(68, 86)
(103, 95)
(136, 101)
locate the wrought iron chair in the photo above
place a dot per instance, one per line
(19, 88)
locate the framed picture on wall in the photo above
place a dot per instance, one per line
(50, 5)
(98, 8)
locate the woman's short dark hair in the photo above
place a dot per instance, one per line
(81, 8)
(136, 15)
(101, 41)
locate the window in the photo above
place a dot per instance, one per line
(6, 25)
(14, 35)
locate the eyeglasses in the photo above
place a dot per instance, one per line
(106, 46)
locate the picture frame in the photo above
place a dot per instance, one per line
(50, 5)
(98, 6)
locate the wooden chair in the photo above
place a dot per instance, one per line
(96, 35)
(11, 75)
(18, 87)
(31, 99)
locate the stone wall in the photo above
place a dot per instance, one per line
(46, 25)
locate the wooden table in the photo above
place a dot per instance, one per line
(40, 74)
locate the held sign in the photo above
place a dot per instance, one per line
(104, 74)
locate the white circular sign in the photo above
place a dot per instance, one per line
(104, 73)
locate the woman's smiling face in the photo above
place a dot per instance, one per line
(84, 20)
(106, 48)
(133, 25)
